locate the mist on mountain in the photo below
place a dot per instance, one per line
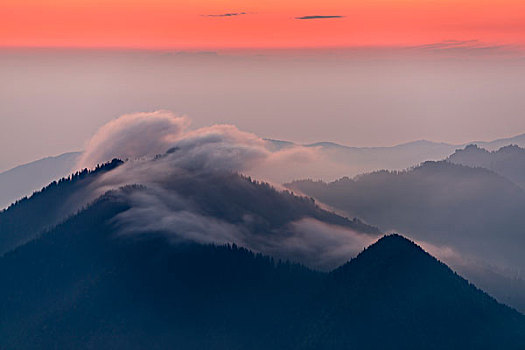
(85, 285)
(207, 207)
(192, 192)
(138, 135)
(472, 215)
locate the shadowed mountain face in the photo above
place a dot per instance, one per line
(474, 211)
(25, 179)
(508, 161)
(84, 285)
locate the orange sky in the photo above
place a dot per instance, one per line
(267, 23)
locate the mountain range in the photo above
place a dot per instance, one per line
(151, 253)
(24, 179)
(508, 161)
(337, 161)
(85, 284)
(473, 214)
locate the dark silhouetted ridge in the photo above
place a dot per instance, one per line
(27, 217)
(26, 178)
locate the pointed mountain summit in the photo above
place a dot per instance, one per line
(397, 294)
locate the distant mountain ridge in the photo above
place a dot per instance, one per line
(475, 211)
(508, 161)
(351, 161)
(518, 140)
(28, 217)
(25, 179)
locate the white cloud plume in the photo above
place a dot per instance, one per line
(169, 158)
(157, 210)
(142, 135)
(132, 136)
(320, 245)
(314, 243)
(217, 147)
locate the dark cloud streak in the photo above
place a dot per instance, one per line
(229, 14)
(318, 17)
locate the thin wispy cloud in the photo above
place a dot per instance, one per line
(466, 47)
(318, 17)
(447, 44)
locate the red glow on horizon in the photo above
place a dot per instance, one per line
(270, 24)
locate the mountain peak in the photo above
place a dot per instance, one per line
(396, 238)
(395, 278)
(393, 247)
(396, 260)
